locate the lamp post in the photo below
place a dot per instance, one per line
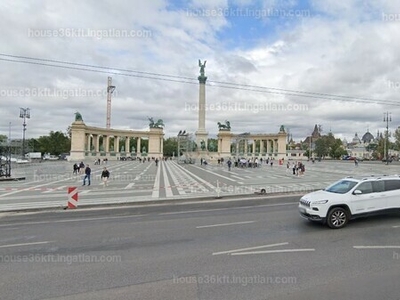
(24, 113)
(387, 117)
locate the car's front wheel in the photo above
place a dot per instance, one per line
(337, 218)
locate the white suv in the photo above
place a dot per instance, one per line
(349, 198)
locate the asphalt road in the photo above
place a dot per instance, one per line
(242, 249)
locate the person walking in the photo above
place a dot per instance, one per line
(105, 175)
(88, 171)
(81, 166)
(229, 164)
(75, 172)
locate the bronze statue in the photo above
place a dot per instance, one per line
(158, 124)
(78, 117)
(203, 145)
(226, 126)
(202, 67)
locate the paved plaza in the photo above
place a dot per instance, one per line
(46, 183)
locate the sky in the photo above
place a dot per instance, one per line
(295, 63)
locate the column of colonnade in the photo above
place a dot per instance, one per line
(92, 143)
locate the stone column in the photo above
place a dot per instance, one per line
(138, 150)
(245, 147)
(254, 148)
(88, 142)
(106, 143)
(116, 144)
(127, 144)
(201, 133)
(268, 147)
(96, 142)
(162, 146)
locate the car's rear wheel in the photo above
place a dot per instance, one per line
(263, 191)
(337, 218)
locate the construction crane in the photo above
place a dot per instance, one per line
(110, 90)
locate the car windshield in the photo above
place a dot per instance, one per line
(341, 187)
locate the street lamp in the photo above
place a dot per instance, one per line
(387, 117)
(24, 113)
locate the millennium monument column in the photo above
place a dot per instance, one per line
(201, 133)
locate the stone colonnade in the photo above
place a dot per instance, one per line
(94, 142)
(269, 145)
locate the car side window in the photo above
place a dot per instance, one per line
(391, 185)
(365, 187)
(378, 186)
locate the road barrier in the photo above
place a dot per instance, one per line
(72, 197)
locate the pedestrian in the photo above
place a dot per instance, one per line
(81, 167)
(229, 164)
(294, 168)
(105, 175)
(156, 162)
(88, 171)
(75, 169)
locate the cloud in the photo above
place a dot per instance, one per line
(342, 48)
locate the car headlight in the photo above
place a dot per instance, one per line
(320, 202)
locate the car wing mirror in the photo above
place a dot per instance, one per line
(357, 192)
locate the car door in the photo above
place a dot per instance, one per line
(367, 200)
(392, 193)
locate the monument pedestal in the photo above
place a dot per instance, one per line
(224, 143)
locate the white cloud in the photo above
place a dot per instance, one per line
(342, 48)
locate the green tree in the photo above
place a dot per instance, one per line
(212, 145)
(3, 138)
(55, 143)
(170, 147)
(396, 136)
(336, 149)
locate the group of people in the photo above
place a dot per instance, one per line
(298, 168)
(87, 171)
(78, 168)
(98, 161)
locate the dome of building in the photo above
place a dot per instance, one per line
(356, 139)
(367, 137)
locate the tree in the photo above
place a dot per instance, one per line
(170, 147)
(213, 145)
(3, 138)
(328, 145)
(55, 143)
(396, 136)
(336, 149)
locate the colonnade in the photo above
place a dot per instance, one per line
(95, 142)
(270, 145)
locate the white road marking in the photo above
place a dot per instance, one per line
(156, 187)
(24, 244)
(250, 248)
(273, 251)
(397, 226)
(376, 247)
(227, 208)
(72, 220)
(180, 189)
(216, 174)
(167, 186)
(226, 224)
(129, 185)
